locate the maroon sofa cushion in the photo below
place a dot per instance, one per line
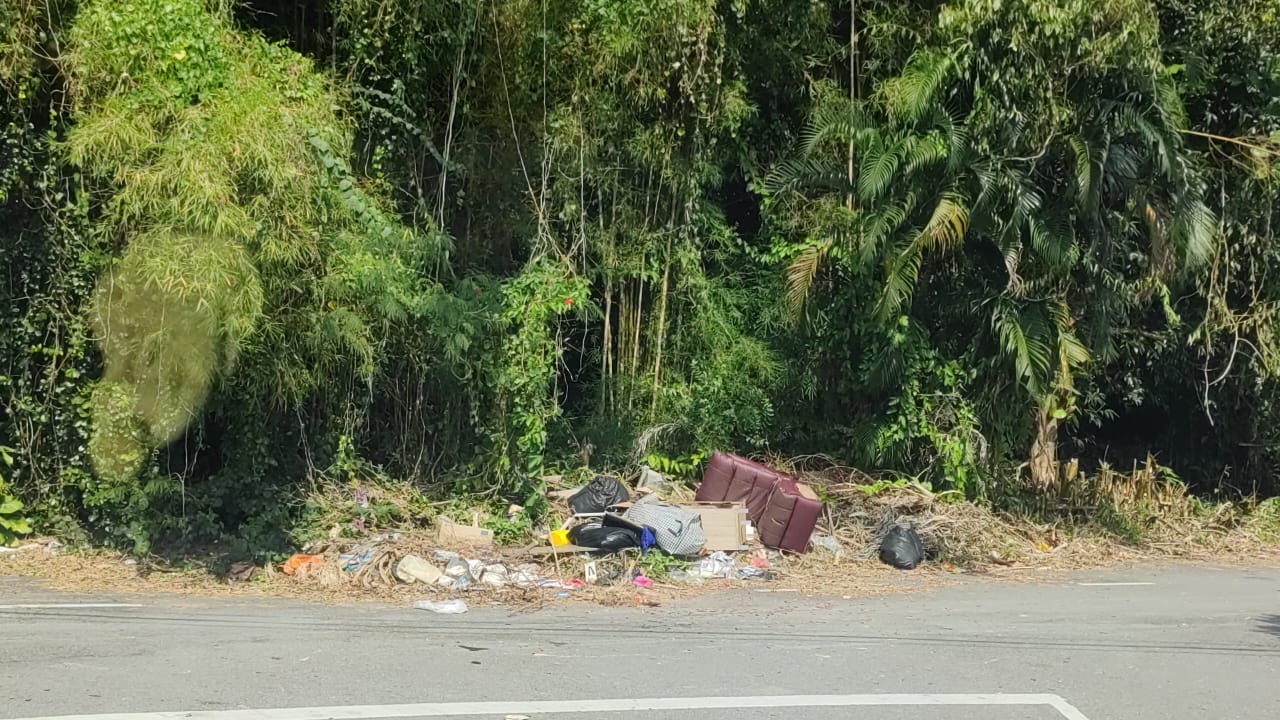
(784, 517)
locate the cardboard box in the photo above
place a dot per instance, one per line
(725, 524)
(453, 533)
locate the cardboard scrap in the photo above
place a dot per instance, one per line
(473, 534)
(724, 523)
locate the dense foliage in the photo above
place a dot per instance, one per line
(470, 241)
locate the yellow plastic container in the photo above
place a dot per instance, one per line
(559, 537)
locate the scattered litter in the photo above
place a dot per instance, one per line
(442, 607)
(651, 479)
(643, 581)
(902, 548)
(599, 495)
(305, 564)
(559, 538)
(759, 561)
(444, 556)
(495, 575)
(754, 573)
(458, 569)
(241, 571)
(589, 573)
(828, 543)
(717, 565)
(525, 575)
(130, 561)
(412, 568)
(360, 556)
(561, 595)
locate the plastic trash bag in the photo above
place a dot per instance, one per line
(443, 607)
(599, 495)
(607, 539)
(902, 548)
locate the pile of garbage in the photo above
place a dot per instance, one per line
(745, 522)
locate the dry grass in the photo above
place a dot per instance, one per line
(1104, 519)
(1098, 520)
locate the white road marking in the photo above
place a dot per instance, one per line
(535, 707)
(1115, 584)
(67, 606)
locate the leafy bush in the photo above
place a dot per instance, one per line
(12, 524)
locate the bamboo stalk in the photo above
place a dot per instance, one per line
(662, 333)
(606, 371)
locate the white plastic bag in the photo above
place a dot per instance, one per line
(443, 607)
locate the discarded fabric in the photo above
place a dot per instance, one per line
(676, 530)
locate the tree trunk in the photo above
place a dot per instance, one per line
(1044, 451)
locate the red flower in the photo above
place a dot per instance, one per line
(568, 302)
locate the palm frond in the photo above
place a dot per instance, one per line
(947, 226)
(910, 95)
(876, 171)
(800, 274)
(840, 122)
(901, 272)
(1194, 230)
(798, 174)
(922, 151)
(877, 225)
(1088, 170)
(1051, 237)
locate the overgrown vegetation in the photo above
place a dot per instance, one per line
(263, 257)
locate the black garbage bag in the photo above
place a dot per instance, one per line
(604, 538)
(600, 494)
(902, 548)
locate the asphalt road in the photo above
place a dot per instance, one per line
(1178, 642)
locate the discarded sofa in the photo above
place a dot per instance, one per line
(783, 509)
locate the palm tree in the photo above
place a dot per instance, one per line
(1091, 214)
